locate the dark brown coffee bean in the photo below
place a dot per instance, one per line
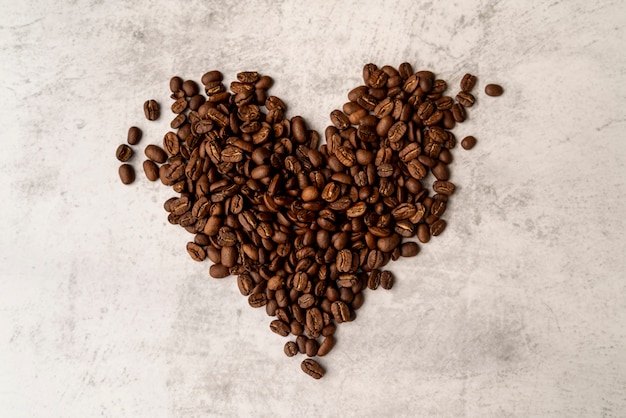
(443, 187)
(386, 279)
(494, 90)
(437, 227)
(126, 173)
(151, 170)
(312, 368)
(196, 252)
(465, 98)
(327, 344)
(458, 112)
(190, 88)
(176, 84)
(423, 233)
(340, 311)
(409, 249)
(279, 327)
(211, 76)
(155, 153)
(314, 319)
(440, 171)
(387, 244)
(123, 153)
(468, 142)
(134, 135)
(468, 82)
(219, 271)
(256, 300)
(151, 110)
(339, 119)
(291, 349)
(311, 347)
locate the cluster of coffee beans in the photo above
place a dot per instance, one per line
(307, 227)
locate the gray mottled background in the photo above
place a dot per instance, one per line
(517, 310)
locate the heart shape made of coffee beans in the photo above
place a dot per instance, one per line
(307, 227)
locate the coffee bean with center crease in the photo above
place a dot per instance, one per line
(468, 82)
(151, 109)
(312, 368)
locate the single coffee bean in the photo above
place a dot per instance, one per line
(219, 271)
(211, 76)
(386, 279)
(195, 251)
(126, 173)
(387, 244)
(468, 142)
(279, 327)
(151, 109)
(134, 135)
(291, 348)
(458, 112)
(312, 368)
(155, 153)
(437, 227)
(423, 233)
(465, 98)
(176, 84)
(151, 170)
(123, 153)
(494, 90)
(467, 82)
(311, 347)
(409, 249)
(190, 88)
(327, 344)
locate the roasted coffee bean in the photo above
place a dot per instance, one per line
(156, 154)
(126, 173)
(437, 227)
(312, 368)
(468, 142)
(290, 349)
(386, 279)
(176, 84)
(467, 82)
(195, 251)
(327, 344)
(219, 271)
(134, 135)
(458, 112)
(466, 99)
(409, 249)
(311, 347)
(190, 88)
(279, 327)
(494, 90)
(151, 110)
(151, 170)
(123, 153)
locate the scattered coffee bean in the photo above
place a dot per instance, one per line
(151, 170)
(468, 142)
(134, 135)
(151, 110)
(493, 90)
(127, 173)
(312, 368)
(123, 153)
(468, 82)
(156, 154)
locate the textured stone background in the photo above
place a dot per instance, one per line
(517, 310)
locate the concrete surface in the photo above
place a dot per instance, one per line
(517, 310)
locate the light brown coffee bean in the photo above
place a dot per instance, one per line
(468, 142)
(151, 170)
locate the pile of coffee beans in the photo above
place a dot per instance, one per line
(306, 227)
